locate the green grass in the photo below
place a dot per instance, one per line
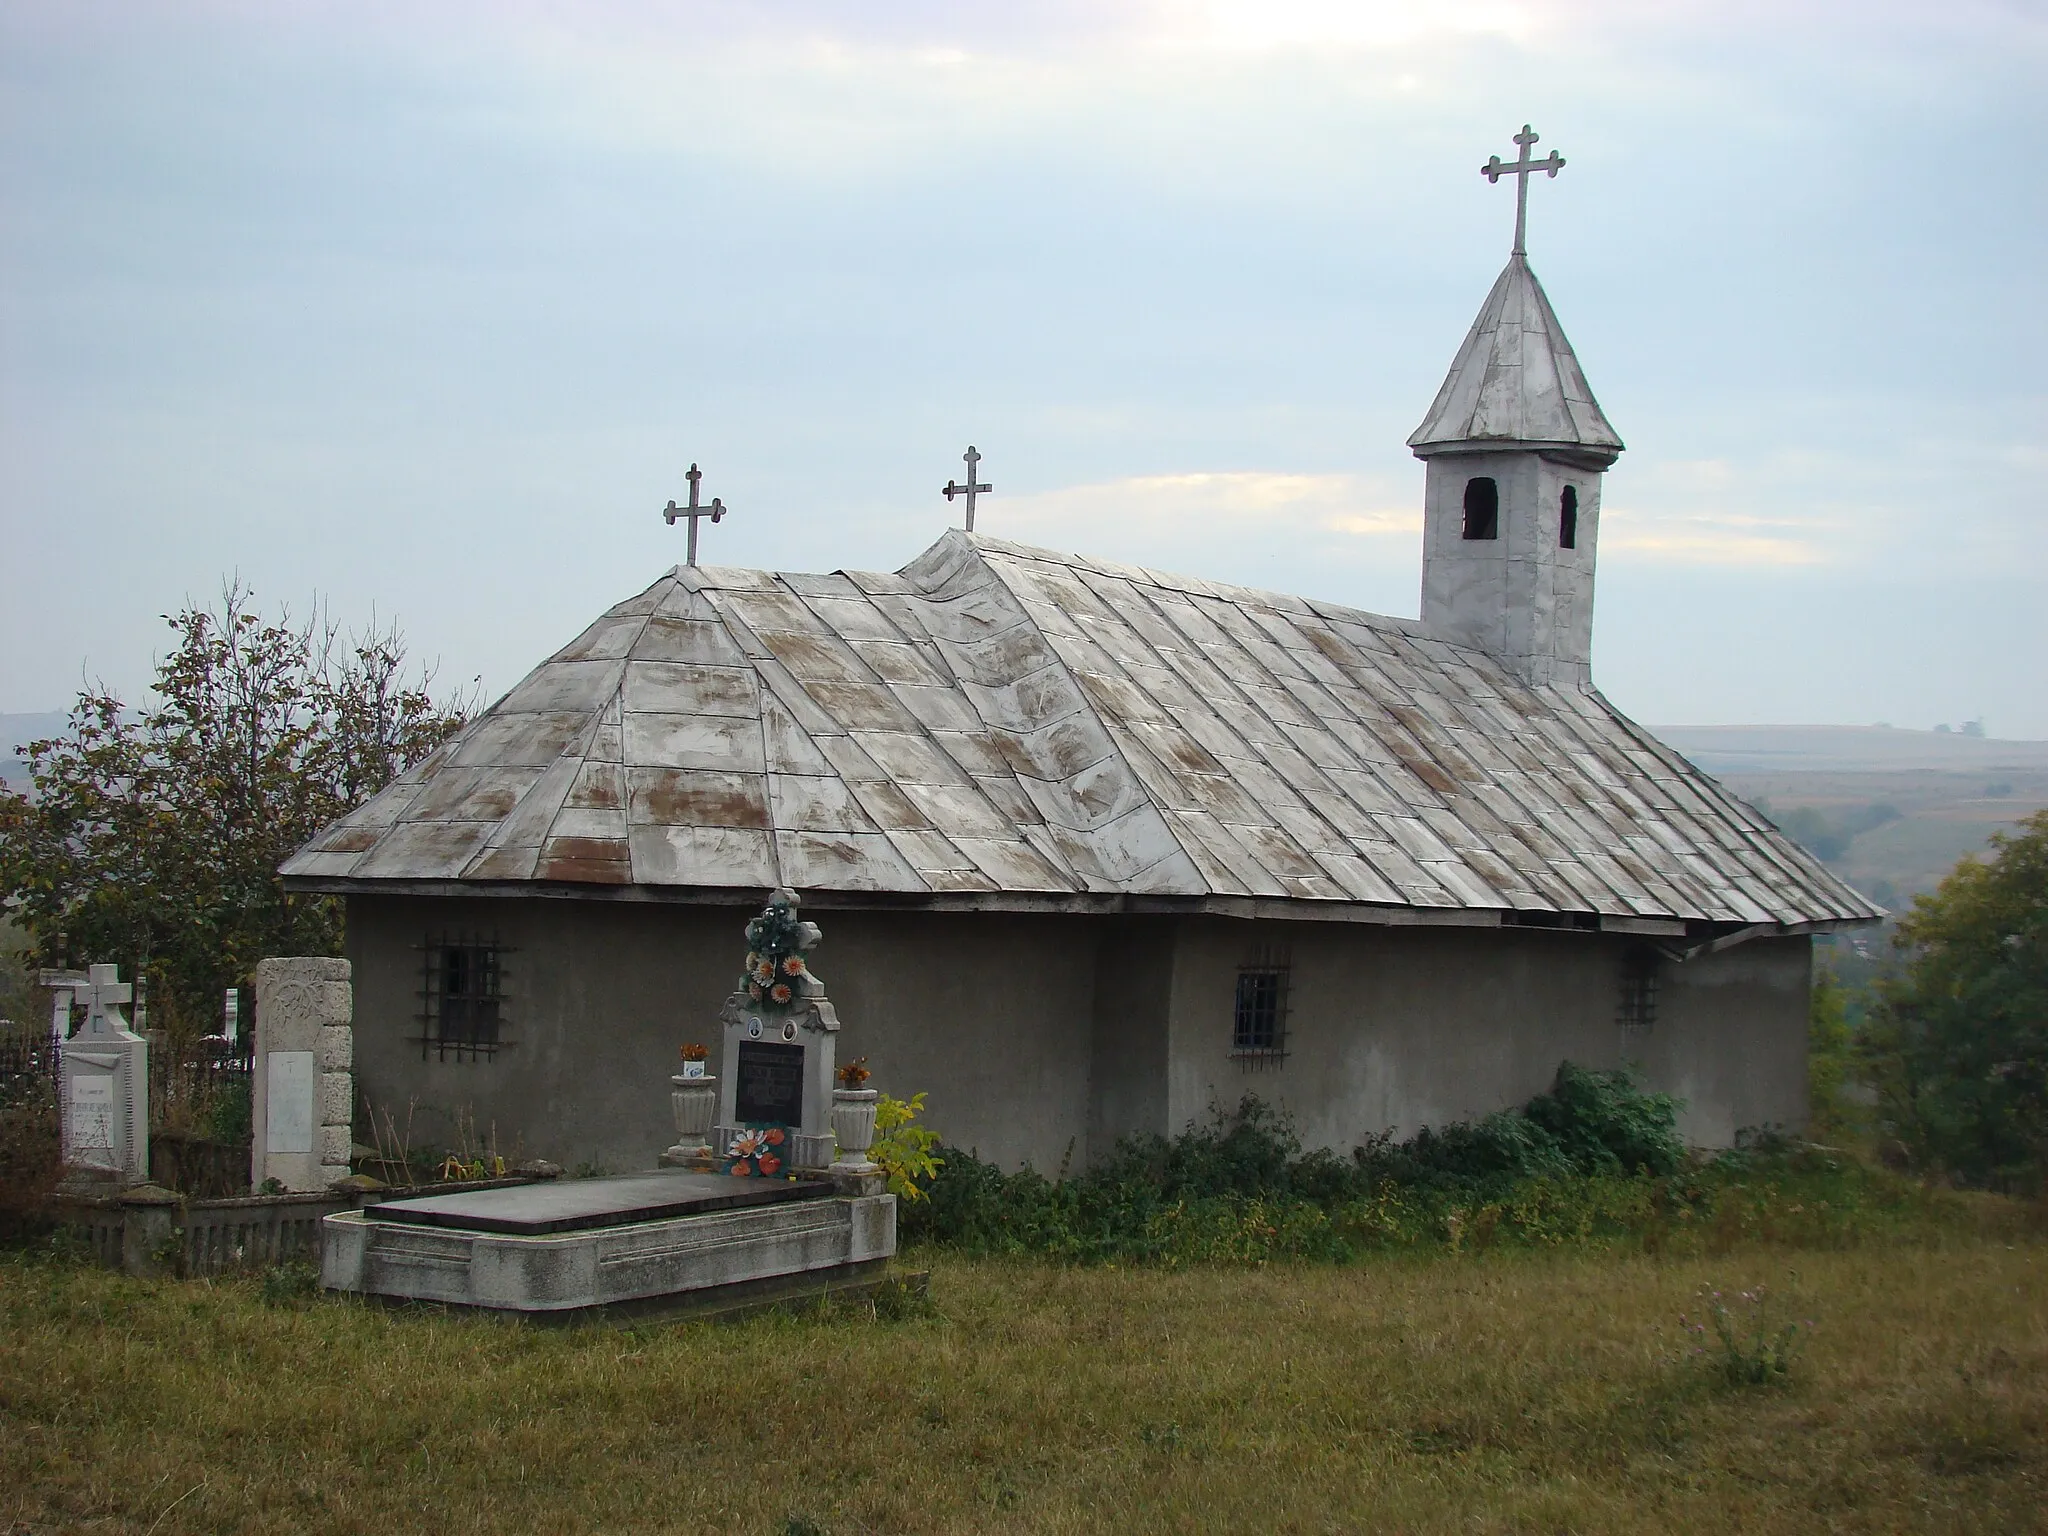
(1510, 1390)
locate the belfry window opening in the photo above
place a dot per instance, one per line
(1568, 518)
(1482, 508)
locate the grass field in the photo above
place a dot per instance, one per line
(1508, 1391)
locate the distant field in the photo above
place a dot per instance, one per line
(1951, 793)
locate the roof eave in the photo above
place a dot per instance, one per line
(1588, 456)
(1281, 909)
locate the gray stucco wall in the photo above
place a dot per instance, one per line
(1398, 1028)
(989, 1014)
(1041, 1039)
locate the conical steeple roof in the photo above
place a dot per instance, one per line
(1516, 384)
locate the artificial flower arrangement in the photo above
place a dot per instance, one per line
(754, 1151)
(694, 1057)
(776, 976)
(854, 1073)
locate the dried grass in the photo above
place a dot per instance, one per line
(1500, 1392)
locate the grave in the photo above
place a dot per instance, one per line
(780, 1050)
(762, 1227)
(302, 1090)
(104, 1072)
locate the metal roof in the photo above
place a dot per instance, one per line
(1516, 383)
(1001, 726)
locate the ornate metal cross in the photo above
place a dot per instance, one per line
(715, 511)
(1523, 168)
(970, 490)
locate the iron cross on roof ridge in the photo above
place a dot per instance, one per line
(715, 511)
(970, 490)
(1522, 167)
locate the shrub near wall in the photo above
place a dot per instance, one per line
(1592, 1161)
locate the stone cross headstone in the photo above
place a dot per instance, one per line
(779, 1061)
(302, 1085)
(104, 1072)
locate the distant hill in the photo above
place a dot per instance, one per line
(19, 731)
(1890, 811)
(1725, 749)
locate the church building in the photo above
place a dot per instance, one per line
(1096, 846)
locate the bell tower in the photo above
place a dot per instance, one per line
(1516, 447)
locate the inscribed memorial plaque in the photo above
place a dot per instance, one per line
(288, 1102)
(92, 1120)
(771, 1083)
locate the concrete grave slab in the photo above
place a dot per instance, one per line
(576, 1205)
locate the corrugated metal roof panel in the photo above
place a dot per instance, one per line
(1003, 720)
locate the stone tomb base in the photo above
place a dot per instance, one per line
(638, 1242)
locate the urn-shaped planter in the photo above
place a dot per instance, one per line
(696, 1103)
(853, 1122)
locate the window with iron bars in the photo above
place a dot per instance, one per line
(1638, 1010)
(462, 991)
(1258, 1030)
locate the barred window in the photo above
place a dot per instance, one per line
(464, 1002)
(1638, 1010)
(1259, 1024)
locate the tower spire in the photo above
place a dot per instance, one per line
(1516, 447)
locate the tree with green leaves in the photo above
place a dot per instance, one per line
(154, 836)
(1958, 1037)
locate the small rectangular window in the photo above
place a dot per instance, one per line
(1638, 1010)
(462, 987)
(1259, 1018)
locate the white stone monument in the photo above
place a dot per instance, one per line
(302, 1086)
(779, 1050)
(104, 1076)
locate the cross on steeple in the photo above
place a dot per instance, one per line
(1522, 167)
(972, 457)
(715, 511)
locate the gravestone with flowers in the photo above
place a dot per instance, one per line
(780, 1045)
(682, 1236)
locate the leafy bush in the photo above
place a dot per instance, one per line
(1958, 1041)
(229, 1117)
(903, 1149)
(1593, 1160)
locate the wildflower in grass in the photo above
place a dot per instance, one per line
(1746, 1348)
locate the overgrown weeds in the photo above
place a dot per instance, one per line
(1594, 1161)
(1746, 1348)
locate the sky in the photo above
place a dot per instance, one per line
(421, 310)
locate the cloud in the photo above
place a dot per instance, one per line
(1199, 506)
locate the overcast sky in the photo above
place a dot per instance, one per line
(426, 308)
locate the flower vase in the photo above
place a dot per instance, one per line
(696, 1102)
(853, 1123)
